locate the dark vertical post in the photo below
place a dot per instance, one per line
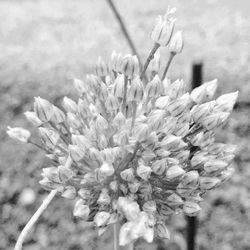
(192, 222)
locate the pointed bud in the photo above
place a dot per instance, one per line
(80, 210)
(65, 174)
(43, 109)
(156, 119)
(57, 116)
(119, 86)
(101, 67)
(163, 29)
(73, 121)
(128, 174)
(130, 66)
(144, 172)
(159, 166)
(176, 43)
(191, 208)
(174, 200)
(178, 106)
(113, 185)
(80, 86)
(32, 117)
(121, 138)
(162, 102)
(226, 102)
(69, 105)
(214, 165)
(119, 120)
(176, 89)
(190, 179)
(172, 143)
(161, 230)
(18, 134)
(149, 207)
(182, 156)
(175, 172)
(76, 152)
(111, 103)
(51, 173)
(213, 121)
(141, 132)
(207, 183)
(181, 129)
(155, 64)
(101, 124)
(226, 174)
(154, 87)
(84, 194)
(116, 61)
(104, 198)
(133, 186)
(199, 112)
(106, 169)
(49, 137)
(136, 90)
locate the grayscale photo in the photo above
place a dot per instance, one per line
(124, 125)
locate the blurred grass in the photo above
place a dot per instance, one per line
(45, 43)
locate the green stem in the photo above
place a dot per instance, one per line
(133, 118)
(168, 65)
(149, 59)
(124, 102)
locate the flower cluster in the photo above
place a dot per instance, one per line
(133, 148)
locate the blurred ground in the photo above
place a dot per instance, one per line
(43, 44)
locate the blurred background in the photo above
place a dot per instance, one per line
(44, 43)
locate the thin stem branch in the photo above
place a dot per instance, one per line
(168, 65)
(115, 231)
(124, 101)
(124, 30)
(38, 145)
(34, 219)
(133, 117)
(149, 59)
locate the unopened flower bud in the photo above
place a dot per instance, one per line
(125, 235)
(43, 109)
(144, 172)
(213, 121)
(106, 169)
(103, 91)
(225, 103)
(130, 65)
(200, 111)
(154, 87)
(156, 119)
(176, 89)
(119, 86)
(149, 207)
(82, 109)
(119, 120)
(57, 116)
(226, 174)
(81, 210)
(101, 67)
(161, 230)
(190, 178)
(116, 61)
(113, 186)
(51, 173)
(163, 29)
(81, 141)
(214, 165)
(18, 134)
(49, 137)
(178, 106)
(182, 156)
(191, 208)
(101, 123)
(159, 166)
(182, 129)
(69, 105)
(128, 174)
(80, 86)
(175, 172)
(65, 174)
(176, 43)
(141, 132)
(198, 160)
(174, 200)
(69, 193)
(84, 194)
(162, 102)
(172, 143)
(73, 121)
(76, 152)
(136, 90)
(32, 117)
(111, 103)
(155, 64)
(207, 183)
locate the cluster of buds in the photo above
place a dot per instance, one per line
(132, 151)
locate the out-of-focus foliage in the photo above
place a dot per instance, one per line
(45, 43)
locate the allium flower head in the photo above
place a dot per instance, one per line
(134, 151)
